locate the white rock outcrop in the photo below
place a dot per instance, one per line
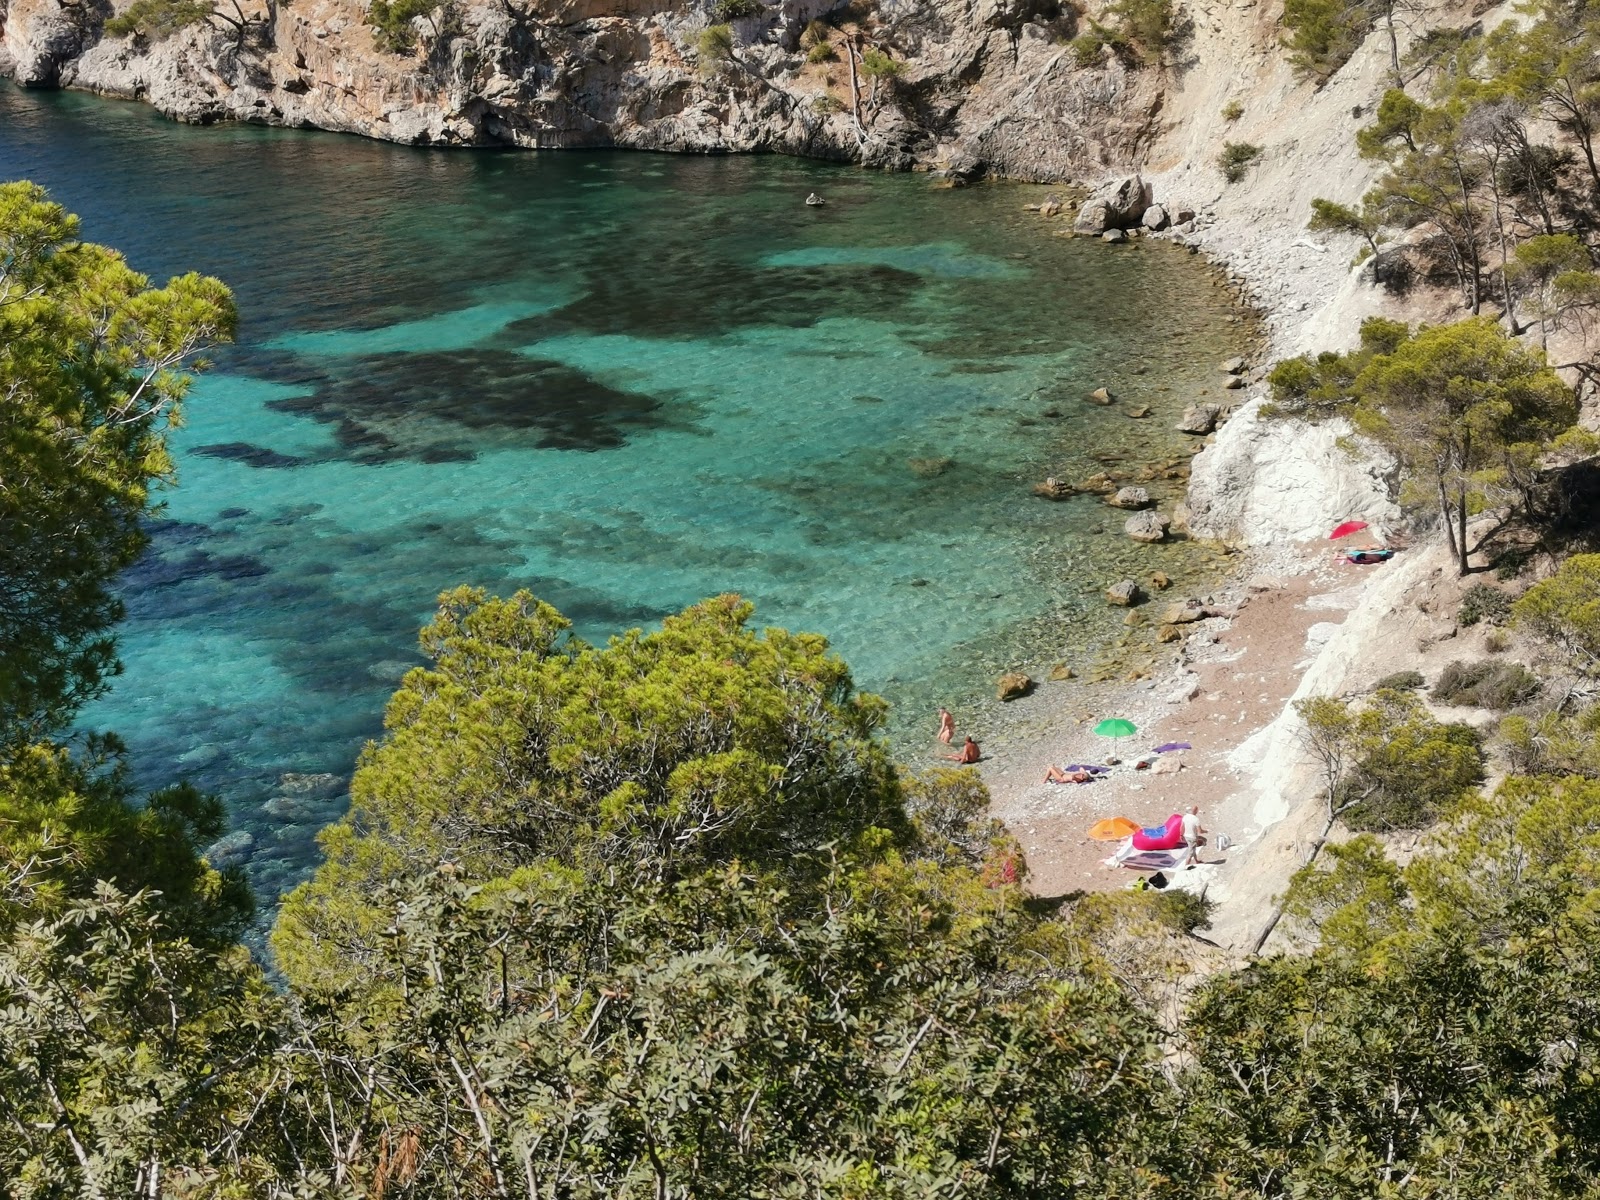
(1276, 480)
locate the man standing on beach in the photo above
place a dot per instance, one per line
(1193, 832)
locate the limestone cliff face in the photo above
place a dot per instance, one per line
(988, 83)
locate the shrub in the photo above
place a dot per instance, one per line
(1182, 910)
(1087, 48)
(1232, 111)
(1486, 684)
(826, 104)
(1322, 34)
(1484, 603)
(875, 64)
(392, 22)
(1149, 26)
(820, 52)
(1235, 158)
(714, 48)
(817, 42)
(1496, 642)
(1400, 681)
(724, 11)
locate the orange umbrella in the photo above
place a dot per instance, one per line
(1113, 829)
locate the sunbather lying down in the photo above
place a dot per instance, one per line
(1057, 775)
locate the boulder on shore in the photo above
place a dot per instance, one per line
(1129, 497)
(1199, 418)
(1184, 612)
(1155, 218)
(1012, 685)
(1147, 527)
(1113, 236)
(1233, 366)
(1117, 204)
(1124, 594)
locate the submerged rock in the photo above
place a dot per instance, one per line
(1101, 396)
(1124, 593)
(1011, 685)
(231, 850)
(1060, 672)
(1160, 582)
(300, 784)
(1147, 527)
(1053, 489)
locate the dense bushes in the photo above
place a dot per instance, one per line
(1236, 158)
(1486, 684)
(1481, 602)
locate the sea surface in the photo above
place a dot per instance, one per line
(623, 381)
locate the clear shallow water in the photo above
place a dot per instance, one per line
(622, 381)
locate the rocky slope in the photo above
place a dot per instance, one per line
(986, 82)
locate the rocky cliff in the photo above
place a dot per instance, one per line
(985, 84)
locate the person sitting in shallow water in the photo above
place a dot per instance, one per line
(968, 754)
(1057, 775)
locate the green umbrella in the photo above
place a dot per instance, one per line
(1115, 727)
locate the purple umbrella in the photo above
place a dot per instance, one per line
(1170, 746)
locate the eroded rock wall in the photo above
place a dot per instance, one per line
(988, 85)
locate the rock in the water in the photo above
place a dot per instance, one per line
(1199, 418)
(1101, 396)
(1113, 236)
(929, 468)
(1124, 593)
(1155, 217)
(1234, 366)
(1101, 484)
(1060, 672)
(1183, 612)
(1013, 684)
(1234, 383)
(1053, 489)
(1050, 208)
(1139, 412)
(1129, 497)
(289, 808)
(297, 784)
(1133, 618)
(231, 850)
(1169, 633)
(1146, 527)
(1160, 582)
(1117, 204)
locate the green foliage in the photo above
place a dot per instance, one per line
(75, 820)
(1387, 763)
(1486, 684)
(1480, 602)
(1327, 216)
(819, 49)
(1322, 34)
(94, 365)
(1465, 409)
(714, 48)
(1439, 1034)
(393, 22)
(126, 1048)
(1398, 119)
(1315, 388)
(1564, 610)
(1400, 681)
(724, 11)
(1553, 743)
(875, 64)
(156, 20)
(1145, 28)
(1181, 910)
(1232, 111)
(1236, 158)
(661, 755)
(1088, 48)
(827, 105)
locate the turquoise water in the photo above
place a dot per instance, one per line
(622, 381)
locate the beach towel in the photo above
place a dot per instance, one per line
(1150, 860)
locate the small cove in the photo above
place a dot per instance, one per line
(624, 382)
